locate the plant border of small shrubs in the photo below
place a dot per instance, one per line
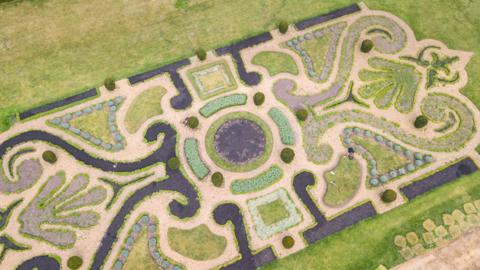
(201, 54)
(49, 156)
(192, 122)
(75, 262)
(217, 179)
(389, 196)
(420, 121)
(258, 98)
(366, 46)
(287, 154)
(283, 27)
(288, 242)
(173, 163)
(301, 114)
(109, 84)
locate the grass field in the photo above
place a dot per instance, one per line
(370, 243)
(68, 46)
(342, 182)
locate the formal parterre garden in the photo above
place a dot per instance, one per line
(199, 164)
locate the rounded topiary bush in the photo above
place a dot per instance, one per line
(420, 121)
(288, 242)
(389, 196)
(201, 54)
(109, 84)
(283, 27)
(74, 262)
(301, 114)
(49, 157)
(287, 155)
(217, 179)
(173, 163)
(192, 122)
(258, 98)
(367, 46)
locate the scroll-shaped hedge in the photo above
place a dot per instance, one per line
(286, 132)
(193, 158)
(221, 103)
(259, 182)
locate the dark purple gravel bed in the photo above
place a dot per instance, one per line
(57, 104)
(451, 173)
(326, 17)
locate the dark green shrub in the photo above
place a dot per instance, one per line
(367, 46)
(420, 121)
(109, 84)
(173, 163)
(201, 54)
(301, 114)
(192, 122)
(288, 241)
(287, 155)
(49, 157)
(283, 27)
(74, 262)
(389, 196)
(217, 179)
(258, 98)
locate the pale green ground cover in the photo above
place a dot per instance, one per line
(276, 63)
(386, 158)
(317, 49)
(342, 182)
(96, 123)
(198, 243)
(273, 212)
(145, 106)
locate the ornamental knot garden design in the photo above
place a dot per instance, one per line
(299, 155)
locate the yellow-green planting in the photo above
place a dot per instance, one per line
(140, 255)
(145, 106)
(96, 123)
(276, 63)
(342, 182)
(198, 243)
(273, 212)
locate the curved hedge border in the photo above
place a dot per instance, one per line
(256, 183)
(150, 224)
(287, 135)
(433, 106)
(212, 152)
(221, 103)
(193, 158)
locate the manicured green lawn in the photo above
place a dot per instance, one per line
(198, 243)
(342, 182)
(386, 158)
(273, 212)
(145, 106)
(276, 62)
(140, 255)
(370, 243)
(96, 123)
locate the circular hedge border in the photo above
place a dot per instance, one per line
(219, 161)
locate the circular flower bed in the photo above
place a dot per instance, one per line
(239, 142)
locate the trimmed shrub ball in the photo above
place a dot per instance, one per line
(192, 122)
(49, 157)
(74, 262)
(173, 163)
(287, 155)
(420, 121)
(201, 54)
(283, 27)
(367, 46)
(217, 179)
(109, 84)
(389, 196)
(301, 114)
(258, 98)
(288, 242)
